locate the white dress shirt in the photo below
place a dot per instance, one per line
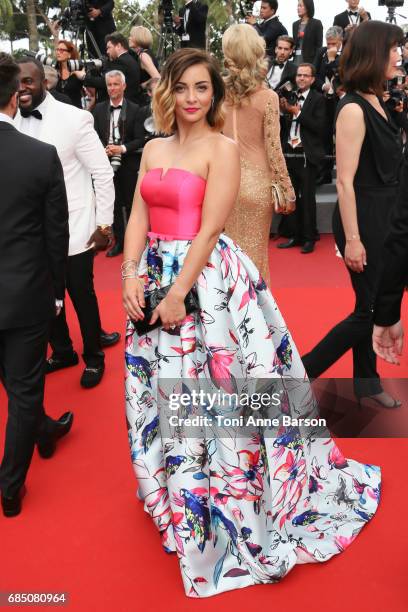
(294, 136)
(274, 75)
(32, 126)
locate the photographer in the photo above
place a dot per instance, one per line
(327, 69)
(190, 23)
(302, 141)
(396, 101)
(352, 17)
(282, 69)
(100, 23)
(119, 125)
(117, 50)
(68, 82)
(270, 28)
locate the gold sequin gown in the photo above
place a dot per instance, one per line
(255, 127)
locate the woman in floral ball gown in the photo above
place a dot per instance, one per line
(237, 509)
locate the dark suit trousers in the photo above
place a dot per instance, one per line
(355, 331)
(22, 359)
(303, 178)
(80, 287)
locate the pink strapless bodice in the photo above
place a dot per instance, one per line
(174, 201)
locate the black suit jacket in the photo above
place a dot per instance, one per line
(104, 24)
(342, 19)
(312, 123)
(196, 24)
(131, 127)
(324, 68)
(33, 229)
(395, 257)
(270, 30)
(312, 40)
(288, 74)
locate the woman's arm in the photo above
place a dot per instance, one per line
(350, 133)
(276, 160)
(135, 242)
(221, 193)
(148, 65)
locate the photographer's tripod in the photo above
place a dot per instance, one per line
(168, 39)
(83, 37)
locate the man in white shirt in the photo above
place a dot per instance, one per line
(190, 24)
(89, 183)
(282, 69)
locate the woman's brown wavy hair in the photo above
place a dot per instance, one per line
(365, 58)
(164, 100)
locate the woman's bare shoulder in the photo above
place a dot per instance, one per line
(220, 145)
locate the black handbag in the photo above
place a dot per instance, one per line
(153, 299)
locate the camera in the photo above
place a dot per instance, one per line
(166, 7)
(391, 3)
(397, 95)
(288, 91)
(75, 15)
(91, 64)
(246, 8)
(116, 160)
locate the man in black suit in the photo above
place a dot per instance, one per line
(388, 331)
(327, 69)
(282, 69)
(190, 24)
(117, 50)
(352, 17)
(33, 255)
(119, 125)
(270, 28)
(100, 23)
(302, 140)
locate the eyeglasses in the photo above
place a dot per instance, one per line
(62, 50)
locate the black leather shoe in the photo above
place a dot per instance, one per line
(308, 247)
(292, 242)
(92, 376)
(115, 250)
(47, 441)
(55, 363)
(109, 339)
(12, 505)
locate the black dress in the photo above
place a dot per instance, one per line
(376, 188)
(71, 87)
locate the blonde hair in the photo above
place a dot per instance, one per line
(244, 52)
(164, 99)
(141, 37)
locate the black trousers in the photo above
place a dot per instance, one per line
(22, 363)
(303, 176)
(355, 331)
(125, 180)
(80, 287)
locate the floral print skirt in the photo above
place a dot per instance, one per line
(237, 510)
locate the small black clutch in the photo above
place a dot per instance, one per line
(153, 299)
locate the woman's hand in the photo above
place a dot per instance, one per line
(133, 298)
(171, 311)
(355, 255)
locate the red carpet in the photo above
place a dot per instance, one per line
(82, 531)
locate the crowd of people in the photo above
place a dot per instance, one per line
(196, 282)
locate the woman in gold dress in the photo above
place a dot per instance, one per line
(252, 120)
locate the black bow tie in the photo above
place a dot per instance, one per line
(353, 13)
(113, 108)
(300, 98)
(33, 113)
(280, 64)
